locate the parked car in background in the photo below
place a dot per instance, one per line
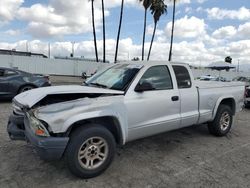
(212, 78)
(13, 82)
(126, 102)
(86, 75)
(243, 79)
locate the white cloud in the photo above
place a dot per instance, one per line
(240, 14)
(58, 18)
(195, 52)
(187, 27)
(224, 32)
(201, 1)
(188, 10)
(150, 30)
(8, 10)
(12, 32)
(244, 30)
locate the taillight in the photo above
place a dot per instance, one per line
(46, 77)
(246, 92)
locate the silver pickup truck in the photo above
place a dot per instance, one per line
(125, 102)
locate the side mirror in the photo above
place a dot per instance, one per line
(144, 86)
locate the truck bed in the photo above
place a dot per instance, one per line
(216, 84)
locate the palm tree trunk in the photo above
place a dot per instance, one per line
(104, 35)
(144, 33)
(152, 40)
(119, 31)
(94, 33)
(172, 34)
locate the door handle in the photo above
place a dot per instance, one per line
(175, 98)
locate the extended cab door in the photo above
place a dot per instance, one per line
(154, 110)
(188, 95)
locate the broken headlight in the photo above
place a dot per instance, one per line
(37, 126)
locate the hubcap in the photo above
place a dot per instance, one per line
(225, 121)
(93, 153)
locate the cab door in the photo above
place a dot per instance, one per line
(154, 110)
(188, 95)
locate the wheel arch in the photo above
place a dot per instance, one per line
(109, 122)
(229, 101)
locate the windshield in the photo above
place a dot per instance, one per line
(117, 77)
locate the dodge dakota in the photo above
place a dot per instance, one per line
(127, 101)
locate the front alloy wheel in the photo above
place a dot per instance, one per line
(90, 150)
(93, 153)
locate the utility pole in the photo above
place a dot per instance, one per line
(27, 46)
(73, 49)
(238, 65)
(49, 50)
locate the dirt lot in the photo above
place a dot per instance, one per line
(185, 158)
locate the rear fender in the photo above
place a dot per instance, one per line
(219, 102)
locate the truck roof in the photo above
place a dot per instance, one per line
(145, 63)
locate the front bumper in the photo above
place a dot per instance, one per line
(48, 148)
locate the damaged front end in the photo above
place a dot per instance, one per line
(29, 109)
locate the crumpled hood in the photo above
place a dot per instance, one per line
(60, 116)
(30, 98)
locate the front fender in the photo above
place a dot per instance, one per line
(121, 118)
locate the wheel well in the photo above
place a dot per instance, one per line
(109, 122)
(229, 102)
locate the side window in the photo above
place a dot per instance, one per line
(9, 73)
(159, 77)
(182, 77)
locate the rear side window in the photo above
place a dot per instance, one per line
(159, 77)
(9, 73)
(182, 76)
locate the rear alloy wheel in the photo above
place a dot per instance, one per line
(222, 122)
(90, 151)
(25, 88)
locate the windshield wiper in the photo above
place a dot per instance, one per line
(99, 85)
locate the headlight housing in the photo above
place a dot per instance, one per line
(37, 126)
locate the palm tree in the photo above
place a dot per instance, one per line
(158, 8)
(146, 5)
(104, 35)
(93, 25)
(172, 33)
(119, 31)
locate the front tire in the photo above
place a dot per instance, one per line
(222, 122)
(90, 151)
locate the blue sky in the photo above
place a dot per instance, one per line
(206, 27)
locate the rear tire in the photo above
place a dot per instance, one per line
(222, 122)
(90, 151)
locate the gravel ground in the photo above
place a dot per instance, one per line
(188, 157)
